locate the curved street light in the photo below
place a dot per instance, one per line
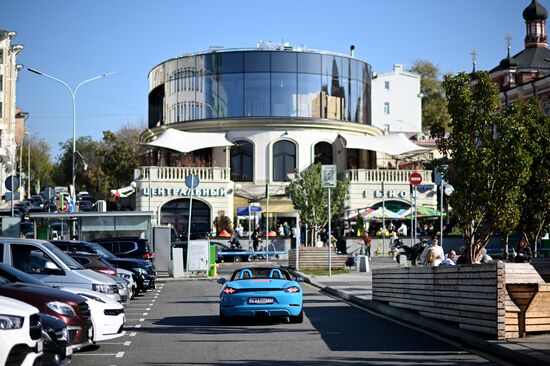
(73, 95)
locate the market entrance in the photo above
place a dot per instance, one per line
(176, 213)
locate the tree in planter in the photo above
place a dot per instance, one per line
(491, 162)
(222, 222)
(534, 201)
(310, 199)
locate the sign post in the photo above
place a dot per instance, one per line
(328, 180)
(191, 181)
(415, 179)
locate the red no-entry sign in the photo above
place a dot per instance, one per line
(415, 179)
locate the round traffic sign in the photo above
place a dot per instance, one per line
(415, 178)
(192, 181)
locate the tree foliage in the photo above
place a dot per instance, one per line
(311, 200)
(40, 164)
(491, 163)
(434, 104)
(534, 201)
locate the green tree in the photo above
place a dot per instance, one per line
(534, 201)
(310, 199)
(84, 160)
(490, 161)
(117, 161)
(434, 104)
(40, 164)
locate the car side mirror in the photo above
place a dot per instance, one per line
(221, 281)
(53, 269)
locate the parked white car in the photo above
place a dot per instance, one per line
(107, 315)
(19, 326)
(128, 276)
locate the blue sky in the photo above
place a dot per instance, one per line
(75, 40)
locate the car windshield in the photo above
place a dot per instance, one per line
(69, 262)
(104, 252)
(258, 273)
(15, 275)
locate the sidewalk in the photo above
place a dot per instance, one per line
(356, 287)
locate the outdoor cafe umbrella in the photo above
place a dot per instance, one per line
(382, 213)
(422, 212)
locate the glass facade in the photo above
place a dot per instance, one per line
(263, 84)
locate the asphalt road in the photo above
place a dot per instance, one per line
(178, 325)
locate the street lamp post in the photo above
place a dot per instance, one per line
(73, 95)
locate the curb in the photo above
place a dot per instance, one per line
(501, 350)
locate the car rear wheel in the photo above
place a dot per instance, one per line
(297, 319)
(223, 319)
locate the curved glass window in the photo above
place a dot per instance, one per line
(259, 83)
(257, 95)
(231, 95)
(283, 94)
(322, 153)
(242, 157)
(284, 160)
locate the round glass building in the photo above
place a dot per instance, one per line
(259, 83)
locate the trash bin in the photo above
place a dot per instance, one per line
(212, 272)
(362, 263)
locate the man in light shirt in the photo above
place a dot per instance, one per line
(438, 254)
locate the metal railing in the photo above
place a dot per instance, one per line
(205, 174)
(385, 175)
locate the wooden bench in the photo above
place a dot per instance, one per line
(316, 258)
(542, 265)
(531, 296)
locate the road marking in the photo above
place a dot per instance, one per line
(145, 314)
(153, 301)
(151, 304)
(133, 334)
(141, 319)
(120, 355)
(134, 320)
(127, 343)
(148, 309)
(96, 354)
(138, 326)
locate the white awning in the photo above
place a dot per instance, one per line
(395, 144)
(189, 141)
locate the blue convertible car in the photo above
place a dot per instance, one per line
(261, 292)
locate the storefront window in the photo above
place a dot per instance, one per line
(284, 160)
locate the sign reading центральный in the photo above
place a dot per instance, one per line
(183, 192)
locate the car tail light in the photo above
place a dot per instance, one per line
(107, 271)
(292, 289)
(149, 255)
(229, 290)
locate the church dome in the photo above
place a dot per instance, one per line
(535, 11)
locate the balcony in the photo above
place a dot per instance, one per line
(385, 175)
(178, 174)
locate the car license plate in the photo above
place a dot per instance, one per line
(260, 300)
(68, 351)
(39, 346)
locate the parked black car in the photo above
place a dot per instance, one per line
(127, 247)
(143, 269)
(221, 249)
(54, 337)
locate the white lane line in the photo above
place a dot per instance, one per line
(145, 314)
(147, 309)
(127, 343)
(151, 304)
(133, 334)
(141, 319)
(138, 326)
(134, 320)
(120, 355)
(153, 301)
(95, 354)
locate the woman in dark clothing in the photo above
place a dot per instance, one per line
(524, 252)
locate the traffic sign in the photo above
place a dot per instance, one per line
(11, 183)
(192, 181)
(415, 178)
